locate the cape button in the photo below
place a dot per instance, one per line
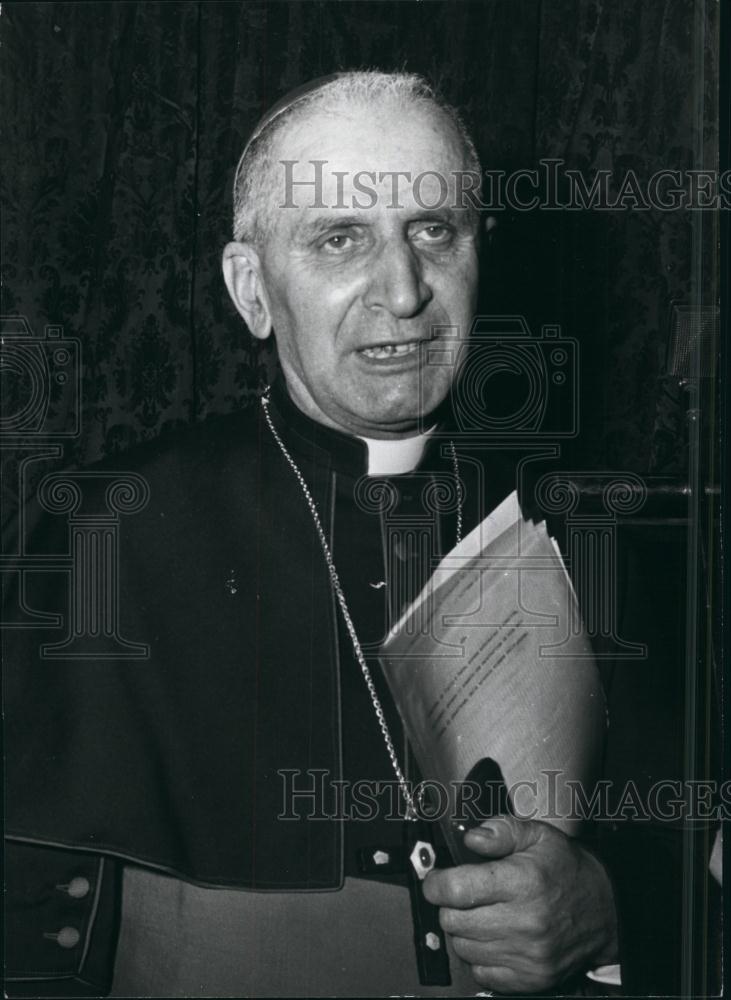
(78, 887)
(67, 937)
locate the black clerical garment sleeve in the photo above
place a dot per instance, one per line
(62, 920)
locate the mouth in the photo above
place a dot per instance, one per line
(383, 352)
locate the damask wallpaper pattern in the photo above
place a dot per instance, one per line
(125, 121)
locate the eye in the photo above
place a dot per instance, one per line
(337, 241)
(435, 234)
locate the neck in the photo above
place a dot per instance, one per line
(390, 453)
(359, 454)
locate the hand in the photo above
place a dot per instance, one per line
(541, 911)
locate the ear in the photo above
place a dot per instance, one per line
(242, 274)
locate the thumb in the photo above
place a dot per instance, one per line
(502, 836)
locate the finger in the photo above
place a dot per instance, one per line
(526, 958)
(487, 923)
(464, 886)
(502, 836)
(504, 981)
(485, 953)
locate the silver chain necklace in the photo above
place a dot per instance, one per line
(411, 805)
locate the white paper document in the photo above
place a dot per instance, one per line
(492, 660)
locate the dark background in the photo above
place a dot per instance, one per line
(124, 121)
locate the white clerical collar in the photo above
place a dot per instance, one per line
(395, 456)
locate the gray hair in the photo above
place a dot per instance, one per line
(252, 193)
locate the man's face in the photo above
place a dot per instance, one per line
(359, 297)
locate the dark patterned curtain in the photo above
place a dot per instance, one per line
(124, 122)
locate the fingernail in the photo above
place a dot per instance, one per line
(485, 831)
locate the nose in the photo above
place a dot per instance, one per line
(397, 282)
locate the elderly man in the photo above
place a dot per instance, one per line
(263, 581)
(354, 286)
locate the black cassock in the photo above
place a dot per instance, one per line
(175, 761)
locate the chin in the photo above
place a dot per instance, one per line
(406, 420)
(398, 413)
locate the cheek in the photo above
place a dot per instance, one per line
(465, 285)
(437, 384)
(333, 284)
(456, 290)
(318, 308)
